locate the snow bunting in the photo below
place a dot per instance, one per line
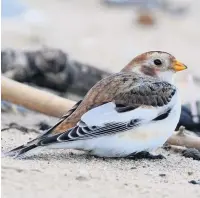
(130, 112)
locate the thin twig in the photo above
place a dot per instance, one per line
(20, 128)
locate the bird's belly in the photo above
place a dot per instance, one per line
(146, 137)
(125, 143)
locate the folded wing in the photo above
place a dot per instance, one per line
(140, 105)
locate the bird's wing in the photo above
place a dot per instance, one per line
(139, 105)
(64, 117)
(124, 89)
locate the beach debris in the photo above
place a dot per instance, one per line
(34, 99)
(162, 175)
(187, 118)
(146, 18)
(190, 173)
(43, 125)
(81, 178)
(191, 153)
(23, 129)
(51, 69)
(195, 181)
(184, 138)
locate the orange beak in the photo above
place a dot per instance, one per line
(178, 66)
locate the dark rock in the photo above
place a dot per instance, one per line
(81, 178)
(190, 173)
(133, 167)
(162, 174)
(195, 182)
(191, 153)
(43, 125)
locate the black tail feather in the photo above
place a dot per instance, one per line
(20, 150)
(26, 149)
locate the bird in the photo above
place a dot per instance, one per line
(123, 115)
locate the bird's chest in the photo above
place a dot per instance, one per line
(154, 133)
(142, 134)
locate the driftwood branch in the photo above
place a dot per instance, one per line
(56, 106)
(181, 138)
(33, 98)
(50, 68)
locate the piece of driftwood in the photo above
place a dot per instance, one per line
(56, 106)
(186, 152)
(50, 68)
(34, 99)
(181, 138)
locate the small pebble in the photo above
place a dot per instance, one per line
(192, 153)
(43, 125)
(81, 178)
(133, 167)
(162, 175)
(190, 173)
(136, 185)
(146, 19)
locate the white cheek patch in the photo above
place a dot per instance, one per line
(166, 76)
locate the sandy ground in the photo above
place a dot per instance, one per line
(74, 174)
(108, 39)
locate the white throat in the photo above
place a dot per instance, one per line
(167, 76)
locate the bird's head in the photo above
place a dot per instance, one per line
(156, 64)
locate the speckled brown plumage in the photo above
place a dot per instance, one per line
(125, 88)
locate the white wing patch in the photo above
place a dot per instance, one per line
(107, 114)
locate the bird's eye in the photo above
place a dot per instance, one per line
(157, 62)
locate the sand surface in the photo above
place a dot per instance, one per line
(108, 39)
(74, 174)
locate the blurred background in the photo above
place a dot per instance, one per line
(107, 34)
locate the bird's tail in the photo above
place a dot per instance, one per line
(20, 150)
(33, 145)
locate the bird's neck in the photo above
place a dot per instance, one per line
(167, 76)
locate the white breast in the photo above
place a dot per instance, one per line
(145, 137)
